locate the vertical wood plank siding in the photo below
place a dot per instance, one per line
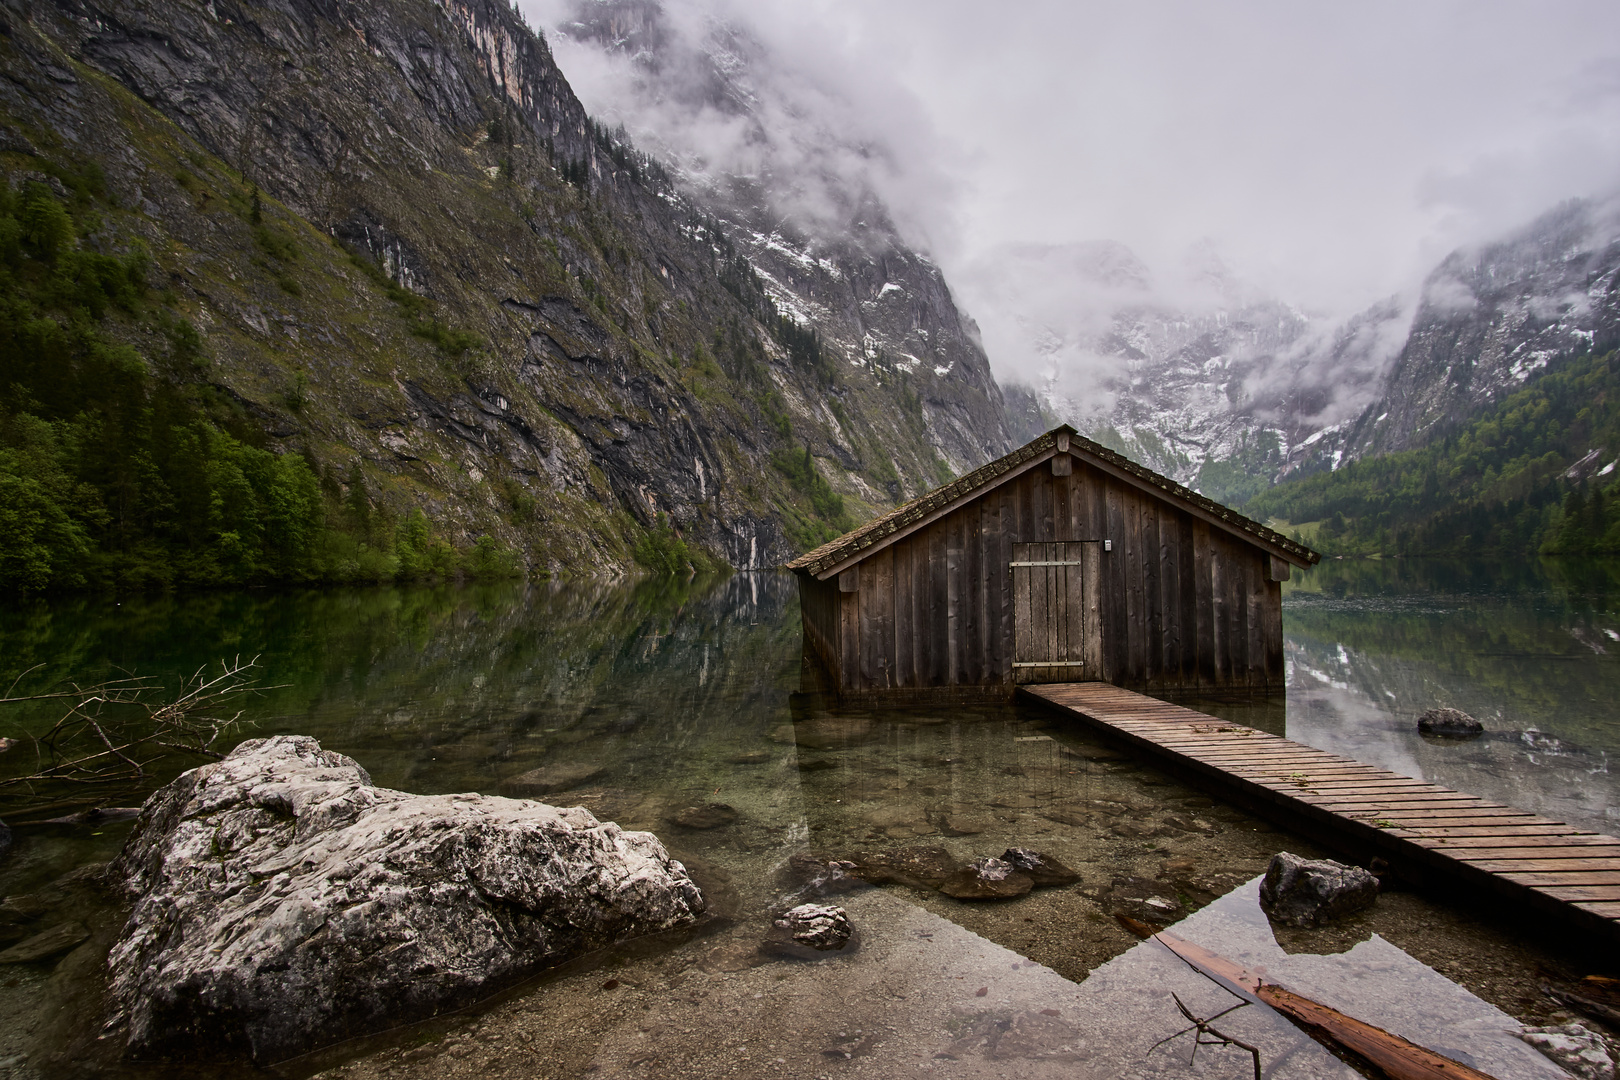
(1183, 608)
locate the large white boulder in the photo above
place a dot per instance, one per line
(283, 902)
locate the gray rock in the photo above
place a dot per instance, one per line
(1449, 724)
(282, 902)
(42, 946)
(1043, 870)
(812, 932)
(1309, 892)
(1574, 1048)
(987, 879)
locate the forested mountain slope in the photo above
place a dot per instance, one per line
(315, 292)
(1535, 472)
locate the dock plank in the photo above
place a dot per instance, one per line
(1419, 827)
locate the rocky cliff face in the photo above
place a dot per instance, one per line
(1204, 371)
(1492, 316)
(412, 257)
(821, 240)
(1247, 391)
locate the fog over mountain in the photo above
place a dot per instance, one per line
(1209, 223)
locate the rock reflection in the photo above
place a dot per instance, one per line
(1372, 646)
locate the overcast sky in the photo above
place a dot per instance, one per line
(1332, 153)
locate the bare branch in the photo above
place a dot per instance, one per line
(120, 730)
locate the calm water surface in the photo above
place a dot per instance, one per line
(645, 700)
(1532, 649)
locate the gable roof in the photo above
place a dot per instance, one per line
(880, 532)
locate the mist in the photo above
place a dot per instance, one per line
(1327, 157)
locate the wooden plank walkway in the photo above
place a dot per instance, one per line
(1429, 835)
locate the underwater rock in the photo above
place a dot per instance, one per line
(752, 757)
(1066, 815)
(1574, 1048)
(1449, 724)
(900, 821)
(281, 902)
(549, 778)
(1308, 892)
(832, 732)
(810, 874)
(1044, 870)
(5, 839)
(42, 946)
(918, 867)
(812, 932)
(987, 879)
(1141, 899)
(708, 816)
(964, 824)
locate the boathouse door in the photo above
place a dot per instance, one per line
(1057, 617)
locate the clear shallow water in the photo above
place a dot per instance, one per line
(650, 699)
(1532, 649)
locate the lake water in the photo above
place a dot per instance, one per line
(645, 700)
(1530, 649)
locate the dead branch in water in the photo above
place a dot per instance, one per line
(118, 732)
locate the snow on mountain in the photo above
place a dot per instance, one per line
(779, 163)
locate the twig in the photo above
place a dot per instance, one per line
(115, 733)
(1207, 1035)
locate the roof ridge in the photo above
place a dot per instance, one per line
(863, 536)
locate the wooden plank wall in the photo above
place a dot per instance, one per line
(818, 610)
(1185, 607)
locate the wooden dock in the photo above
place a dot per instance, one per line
(1430, 835)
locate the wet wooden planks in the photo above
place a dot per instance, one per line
(1426, 832)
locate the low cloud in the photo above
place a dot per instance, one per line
(1324, 156)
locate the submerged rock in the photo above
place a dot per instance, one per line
(282, 902)
(42, 946)
(1574, 1048)
(918, 867)
(812, 932)
(1449, 724)
(987, 879)
(5, 839)
(708, 816)
(958, 824)
(549, 778)
(1042, 869)
(1309, 892)
(811, 874)
(1143, 900)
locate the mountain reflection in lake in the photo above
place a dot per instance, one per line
(1532, 649)
(649, 703)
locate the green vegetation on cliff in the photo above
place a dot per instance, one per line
(120, 466)
(1530, 474)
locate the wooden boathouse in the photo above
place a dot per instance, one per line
(1061, 562)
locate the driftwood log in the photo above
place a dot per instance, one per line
(1374, 1048)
